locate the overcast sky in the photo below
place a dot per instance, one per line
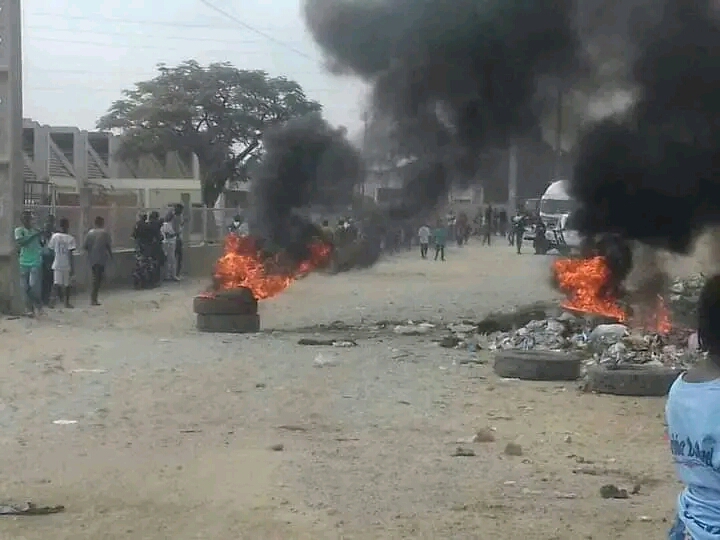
(78, 55)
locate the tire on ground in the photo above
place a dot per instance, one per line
(230, 324)
(225, 305)
(629, 380)
(537, 365)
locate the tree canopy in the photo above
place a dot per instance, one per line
(218, 112)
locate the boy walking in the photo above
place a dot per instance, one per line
(440, 238)
(98, 247)
(63, 246)
(27, 240)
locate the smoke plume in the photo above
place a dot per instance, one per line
(306, 163)
(461, 75)
(652, 175)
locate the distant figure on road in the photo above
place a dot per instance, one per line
(424, 237)
(440, 238)
(488, 225)
(518, 230)
(63, 246)
(27, 240)
(98, 247)
(178, 223)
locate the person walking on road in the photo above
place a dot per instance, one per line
(518, 230)
(440, 238)
(178, 222)
(424, 237)
(63, 246)
(27, 240)
(488, 226)
(98, 247)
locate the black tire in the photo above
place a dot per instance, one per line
(537, 365)
(239, 304)
(228, 324)
(631, 380)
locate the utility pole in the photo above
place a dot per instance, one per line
(512, 180)
(11, 158)
(558, 136)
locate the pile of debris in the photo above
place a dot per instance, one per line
(547, 327)
(609, 343)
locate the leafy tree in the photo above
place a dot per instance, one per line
(218, 112)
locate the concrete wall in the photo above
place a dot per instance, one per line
(198, 263)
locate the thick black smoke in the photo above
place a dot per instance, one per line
(460, 75)
(306, 162)
(653, 174)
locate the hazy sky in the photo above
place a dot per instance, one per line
(78, 55)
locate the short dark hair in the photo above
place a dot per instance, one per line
(64, 223)
(99, 221)
(709, 318)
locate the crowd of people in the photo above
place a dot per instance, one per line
(158, 248)
(47, 262)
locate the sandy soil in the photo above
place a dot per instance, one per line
(175, 428)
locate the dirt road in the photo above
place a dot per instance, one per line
(174, 428)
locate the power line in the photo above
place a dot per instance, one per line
(132, 21)
(124, 45)
(119, 90)
(141, 35)
(255, 30)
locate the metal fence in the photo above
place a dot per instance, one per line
(206, 225)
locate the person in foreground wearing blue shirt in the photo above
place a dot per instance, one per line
(693, 419)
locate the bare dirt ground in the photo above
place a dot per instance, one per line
(175, 428)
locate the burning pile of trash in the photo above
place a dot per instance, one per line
(590, 320)
(604, 343)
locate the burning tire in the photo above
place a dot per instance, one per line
(230, 324)
(231, 302)
(537, 365)
(631, 380)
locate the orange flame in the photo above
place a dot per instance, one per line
(244, 265)
(583, 280)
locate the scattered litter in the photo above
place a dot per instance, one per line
(65, 422)
(277, 447)
(463, 452)
(328, 342)
(412, 329)
(513, 449)
(80, 370)
(324, 361)
(28, 509)
(566, 495)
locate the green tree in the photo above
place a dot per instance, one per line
(217, 112)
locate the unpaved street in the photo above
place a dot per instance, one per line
(175, 428)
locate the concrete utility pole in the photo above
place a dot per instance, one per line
(11, 159)
(512, 180)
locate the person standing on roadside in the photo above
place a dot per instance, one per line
(98, 247)
(63, 246)
(440, 238)
(47, 261)
(27, 240)
(169, 238)
(178, 222)
(424, 237)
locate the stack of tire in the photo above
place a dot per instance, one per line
(232, 311)
(620, 380)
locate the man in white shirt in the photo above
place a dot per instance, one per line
(169, 247)
(63, 247)
(424, 236)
